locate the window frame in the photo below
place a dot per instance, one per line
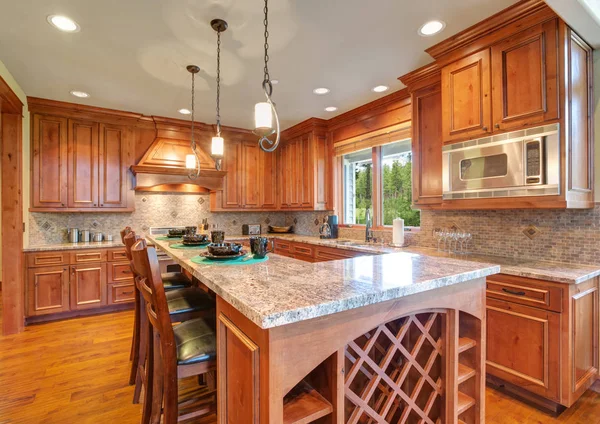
(377, 199)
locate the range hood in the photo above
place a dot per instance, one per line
(162, 168)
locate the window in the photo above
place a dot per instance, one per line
(389, 185)
(358, 186)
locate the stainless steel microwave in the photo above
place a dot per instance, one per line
(521, 163)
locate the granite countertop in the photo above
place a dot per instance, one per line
(74, 246)
(284, 290)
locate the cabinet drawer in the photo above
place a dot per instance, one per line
(121, 293)
(301, 249)
(119, 272)
(117, 255)
(525, 291)
(332, 254)
(47, 259)
(283, 245)
(87, 256)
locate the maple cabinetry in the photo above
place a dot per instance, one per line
(542, 337)
(79, 165)
(313, 253)
(82, 279)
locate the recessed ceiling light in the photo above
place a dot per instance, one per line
(63, 23)
(330, 109)
(80, 94)
(185, 111)
(381, 88)
(320, 91)
(431, 28)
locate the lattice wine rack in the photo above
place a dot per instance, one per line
(399, 371)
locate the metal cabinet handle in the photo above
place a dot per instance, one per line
(516, 293)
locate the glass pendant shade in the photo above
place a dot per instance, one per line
(263, 118)
(190, 161)
(217, 146)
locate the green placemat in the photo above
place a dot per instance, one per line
(183, 246)
(204, 261)
(165, 238)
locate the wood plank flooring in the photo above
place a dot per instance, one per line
(76, 371)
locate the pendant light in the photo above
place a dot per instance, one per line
(264, 112)
(217, 145)
(192, 162)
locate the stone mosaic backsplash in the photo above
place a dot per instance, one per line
(163, 209)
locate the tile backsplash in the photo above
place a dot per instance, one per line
(154, 209)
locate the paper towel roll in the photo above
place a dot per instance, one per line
(398, 234)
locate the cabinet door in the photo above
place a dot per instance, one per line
(232, 163)
(307, 171)
(83, 164)
(49, 162)
(297, 160)
(88, 286)
(584, 329)
(267, 169)
(466, 101)
(251, 183)
(427, 146)
(47, 290)
(523, 347)
(286, 180)
(114, 162)
(525, 77)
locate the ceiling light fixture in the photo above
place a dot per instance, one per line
(321, 91)
(80, 94)
(274, 82)
(184, 111)
(63, 23)
(264, 112)
(431, 28)
(330, 109)
(218, 144)
(381, 88)
(192, 162)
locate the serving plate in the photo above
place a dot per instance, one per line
(212, 257)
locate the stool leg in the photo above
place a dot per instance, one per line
(135, 342)
(157, 381)
(145, 339)
(149, 371)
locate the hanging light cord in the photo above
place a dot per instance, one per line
(196, 172)
(218, 83)
(265, 143)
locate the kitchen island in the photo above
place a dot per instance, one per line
(394, 337)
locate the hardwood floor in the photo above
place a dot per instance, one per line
(76, 371)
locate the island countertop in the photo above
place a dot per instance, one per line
(284, 290)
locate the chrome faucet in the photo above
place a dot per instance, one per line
(368, 230)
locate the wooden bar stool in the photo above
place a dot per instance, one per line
(183, 303)
(184, 350)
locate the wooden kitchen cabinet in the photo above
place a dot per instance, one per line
(542, 337)
(47, 290)
(48, 162)
(467, 104)
(525, 78)
(88, 286)
(80, 165)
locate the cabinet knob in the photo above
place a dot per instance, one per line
(94, 204)
(62, 204)
(101, 205)
(485, 128)
(497, 125)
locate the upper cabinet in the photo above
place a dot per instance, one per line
(79, 165)
(512, 85)
(467, 105)
(525, 78)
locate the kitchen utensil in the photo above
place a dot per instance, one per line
(109, 237)
(281, 230)
(260, 246)
(73, 235)
(224, 249)
(229, 257)
(85, 236)
(217, 236)
(98, 236)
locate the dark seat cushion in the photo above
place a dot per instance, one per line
(196, 342)
(190, 299)
(175, 280)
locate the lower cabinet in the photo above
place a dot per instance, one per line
(77, 281)
(88, 286)
(542, 337)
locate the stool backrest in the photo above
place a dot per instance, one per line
(129, 240)
(124, 232)
(151, 287)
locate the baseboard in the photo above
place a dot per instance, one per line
(77, 314)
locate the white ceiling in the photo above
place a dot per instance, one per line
(131, 54)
